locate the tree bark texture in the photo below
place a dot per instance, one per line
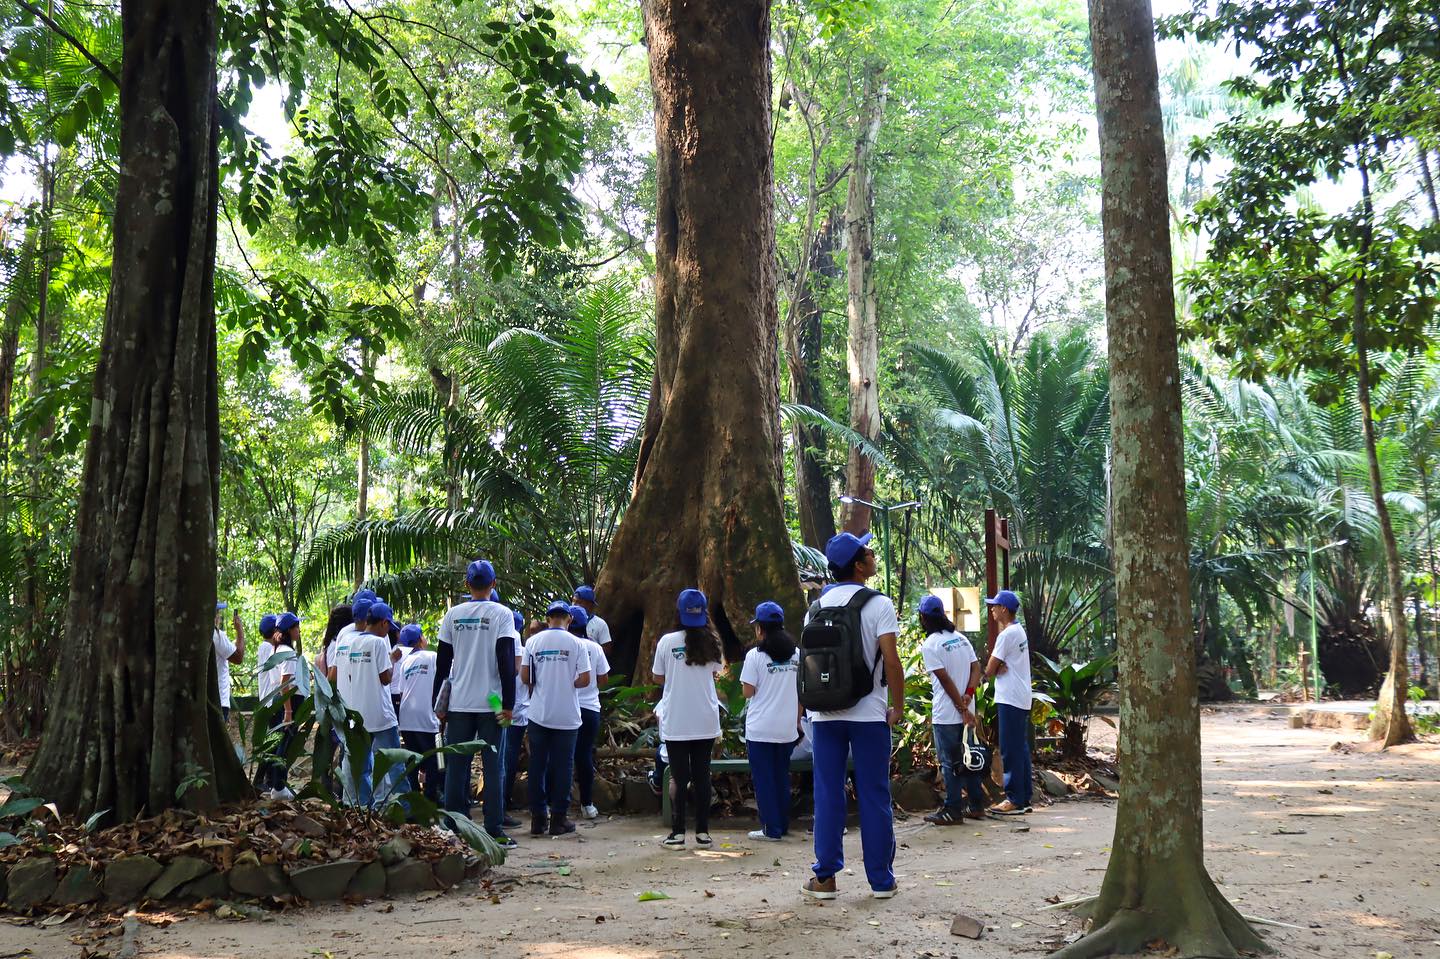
(861, 304)
(1156, 886)
(708, 509)
(802, 352)
(134, 711)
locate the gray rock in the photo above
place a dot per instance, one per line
(1105, 782)
(258, 881)
(325, 882)
(450, 870)
(306, 826)
(181, 870)
(607, 795)
(79, 885)
(409, 877)
(1053, 784)
(212, 886)
(30, 882)
(635, 796)
(126, 879)
(395, 849)
(369, 882)
(914, 794)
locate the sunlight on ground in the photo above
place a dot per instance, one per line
(571, 950)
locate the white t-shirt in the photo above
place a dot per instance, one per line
(690, 708)
(472, 627)
(876, 620)
(266, 680)
(520, 715)
(395, 689)
(950, 651)
(599, 667)
(773, 713)
(358, 679)
(417, 692)
(224, 649)
(339, 652)
(1012, 687)
(556, 659)
(598, 630)
(290, 671)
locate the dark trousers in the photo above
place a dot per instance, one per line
(835, 741)
(277, 773)
(464, 728)
(552, 765)
(429, 768)
(770, 771)
(960, 783)
(690, 763)
(1015, 753)
(585, 754)
(513, 738)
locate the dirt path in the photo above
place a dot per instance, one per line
(1341, 843)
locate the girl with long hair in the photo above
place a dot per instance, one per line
(772, 718)
(686, 661)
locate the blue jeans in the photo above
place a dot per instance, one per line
(466, 728)
(395, 775)
(1015, 753)
(585, 754)
(960, 783)
(869, 742)
(770, 770)
(355, 771)
(552, 765)
(512, 738)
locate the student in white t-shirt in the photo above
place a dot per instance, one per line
(595, 627)
(418, 723)
(1009, 665)
(226, 653)
(686, 662)
(337, 656)
(589, 712)
(291, 687)
(363, 682)
(266, 680)
(512, 737)
(555, 667)
(954, 673)
(772, 718)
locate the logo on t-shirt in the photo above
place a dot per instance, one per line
(678, 652)
(360, 654)
(551, 655)
(789, 666)
(421, 667)
(951, 644)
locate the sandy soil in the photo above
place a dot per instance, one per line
(1339, 842)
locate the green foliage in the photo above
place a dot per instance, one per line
(1074, 690)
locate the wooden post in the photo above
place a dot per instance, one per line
(997, 568)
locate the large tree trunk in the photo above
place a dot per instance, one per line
(1156, 886)
(802, 351)
(708, 508)
(861, 306)
(135, 711)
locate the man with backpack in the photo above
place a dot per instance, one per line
(848, 667)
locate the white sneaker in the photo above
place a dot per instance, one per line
(284, 793)
(759, 836)
(590, 812)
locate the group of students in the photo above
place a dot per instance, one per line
(485, 682)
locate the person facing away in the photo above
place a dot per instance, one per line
(477, 655)
(418, 722)
(1009, 666)
(266, 679)
(555, 667)
(685, 664)
(954, 674)
(512, 737)
(293, 688)
(589, 712)
(337, 659)
(340, 617)
(768, 679)
(861, 731)
(226, 653)
(595, 627)
(362, 681)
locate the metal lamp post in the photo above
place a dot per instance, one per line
(884, 512)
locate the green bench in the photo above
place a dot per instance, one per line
(731, 766)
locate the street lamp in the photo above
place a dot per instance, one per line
(1310, 552)
(884, 512)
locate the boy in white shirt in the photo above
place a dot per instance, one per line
(595, 627)
(1010, 667)
(954, 673)
(226, 653)
(589, 712)
(363, 681)
(554, 668)
(418, 722)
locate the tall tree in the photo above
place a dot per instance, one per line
(131, 721)
(708, 508)
(1156, 885)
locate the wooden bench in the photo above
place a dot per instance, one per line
(804, 765)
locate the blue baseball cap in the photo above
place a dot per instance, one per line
(287, 621)
(692, 606)
(380, 612)
(558, 607)
(267, 624)
(842, 548)
(480, 574)
(932, 605)
(221, 604)
(578, 617)
(411, 635)
(586, 593)
(519, 621)
(360, 609)
(363, 594)
(1005, 598)
(768, 612)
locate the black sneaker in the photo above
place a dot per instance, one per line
(538, 825)
(703, 839)
(676, 840)
(561, 827)
(510, 822)
(945, 817)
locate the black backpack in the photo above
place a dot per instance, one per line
(834, 673)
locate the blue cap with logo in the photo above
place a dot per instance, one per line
(360, 609)
(586, 593)
(519, 621)
(287, 622)
(843, 548)
(768, 612)
(381, 613)
(411, 635)
(558, 608)
(578, 617)
(1005, 598)
(363, 594)
(932, 605)
(693, 608)
(480, 574)
(267, 624)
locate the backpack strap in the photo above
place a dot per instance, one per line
(858, 602)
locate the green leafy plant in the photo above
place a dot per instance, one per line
(1074, 690)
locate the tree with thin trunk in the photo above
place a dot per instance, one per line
(133, 721)
(708, 509)
(1156, 886)
(803, 330)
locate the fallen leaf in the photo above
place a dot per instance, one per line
(563, 871)
(650, 895)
